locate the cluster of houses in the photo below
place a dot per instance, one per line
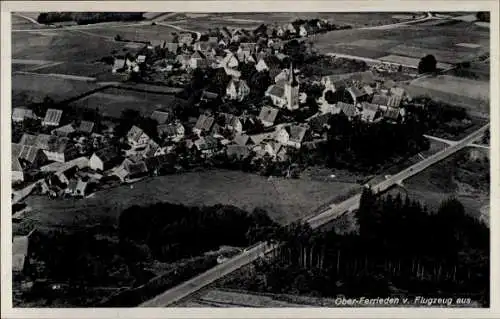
(363, 95)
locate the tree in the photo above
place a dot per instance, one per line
(427, 64)
(483, 16)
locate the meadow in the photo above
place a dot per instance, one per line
(112, 101)
(286, 200)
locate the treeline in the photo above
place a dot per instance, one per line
(88, 17)
(401, 247)
(174, 231)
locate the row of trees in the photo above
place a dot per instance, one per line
(351, 144)
(174, 231)
(88, 17)
(400, 246)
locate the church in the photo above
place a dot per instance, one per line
(285, 94)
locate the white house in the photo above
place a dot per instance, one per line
(237, 90)
(302, 31)
(19, 114)
(104, 159)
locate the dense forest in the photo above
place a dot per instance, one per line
(88, 17)
(153, 248)
(400, 248)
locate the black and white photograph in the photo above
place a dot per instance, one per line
(258, 159)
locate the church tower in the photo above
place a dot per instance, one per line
(292, 90)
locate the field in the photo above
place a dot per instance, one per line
(410, 40)
(471, 94)
(80, 69)
(112, 101)
(285, 199)
(137, 33)
(410, 62)
(28, 88)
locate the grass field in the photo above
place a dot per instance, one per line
(137, 33)
(28, 88)
(61, 46)
(111, 102)
(471, 94)
(285, 199)
(80, 69)
(410, 41)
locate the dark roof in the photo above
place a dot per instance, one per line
(107, 154)
(135, 167)
(167, 129)
(237, 150)
(268, 114)
(355, 92)
(160, 116)
(319, 122)
(272, 61)
(86, 126)
(276, 90)
(391, 113)
(296, 132)
(206, 95)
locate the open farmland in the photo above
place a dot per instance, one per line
(468, 93)
(285, 199)
(413, 41)
(80, 69)
(137, 32)
(61, 46)
(112, 101)
(30, 87)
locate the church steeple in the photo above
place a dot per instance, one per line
(291, 77)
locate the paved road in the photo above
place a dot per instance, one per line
(334, 211)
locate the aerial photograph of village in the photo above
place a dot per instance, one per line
(250, 159)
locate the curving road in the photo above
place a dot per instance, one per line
(333, 211)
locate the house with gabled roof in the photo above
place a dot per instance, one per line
(267, 63)
(198, 60)
(203, 124)
(171, 47)
(237, 89)
(357, 95)
(286, 93)
(206, 145)
(52, 117)
(229, 122)
(85, 127)
(369, 112)
(136, 137)
(28, 156)
(348, 109)
(393, 114)
(19, 114)
(130, 170)
(242, 139)
(171, 132)
(291, 135)
(380, 99)
(17, 172)
(161, 116)
(184, 60)
(104, 159)
(268, 115)
(64, 130)
(230, 61)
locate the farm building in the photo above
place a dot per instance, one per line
(131, 169)
(137, 137)
(28, 156)
(86, 127)
(104, 159)
(52, 117)
(206, 145)
(63, 131)
(58, 149)
(348, 109)
(230, 122)
(19, 114)
(268, 115)
(161, 117)
(369, 112)
(203, 124)
(242, 140)
(173, 132)
(291, 135)
(268, 63)
(198, 60)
